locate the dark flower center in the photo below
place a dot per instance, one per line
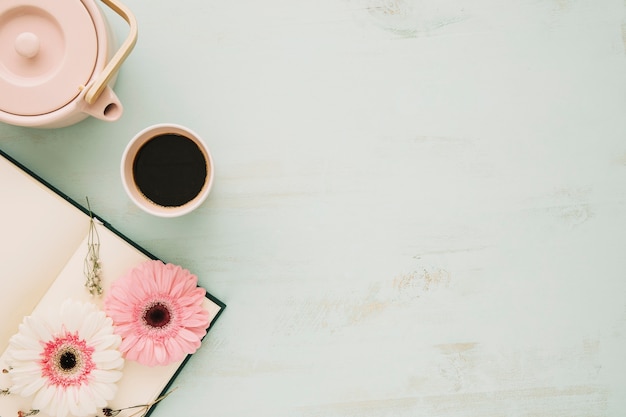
(157, 315)
(67, 361)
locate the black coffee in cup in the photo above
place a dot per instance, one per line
(167, 170)
(170, 170)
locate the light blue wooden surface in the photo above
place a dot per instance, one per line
(419, 206)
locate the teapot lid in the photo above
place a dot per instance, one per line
(48, 50)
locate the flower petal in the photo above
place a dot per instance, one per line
(107, 376)
(24, 355)
(43, 398)
(34, 386)
(105, 356)
(103, 391)
(38, 327)
(160, 353)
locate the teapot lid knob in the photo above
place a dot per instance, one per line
(27, 44)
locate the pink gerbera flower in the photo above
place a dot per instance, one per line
(157, 310)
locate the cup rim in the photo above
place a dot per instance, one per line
(126, 168)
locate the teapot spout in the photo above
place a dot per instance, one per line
(107, 107)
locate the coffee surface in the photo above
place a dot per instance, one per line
(170, 170)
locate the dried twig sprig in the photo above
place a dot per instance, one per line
(92, 268)
(5, 391)
(141, 409)
(27, 413)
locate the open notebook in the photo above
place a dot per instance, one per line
(43, 243)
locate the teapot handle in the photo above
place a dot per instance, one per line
(114, 64)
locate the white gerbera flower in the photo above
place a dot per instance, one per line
(69, 361)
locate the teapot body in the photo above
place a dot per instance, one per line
(36, 107)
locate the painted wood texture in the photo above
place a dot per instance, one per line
(419, 207)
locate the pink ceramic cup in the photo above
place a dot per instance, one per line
(167, 170)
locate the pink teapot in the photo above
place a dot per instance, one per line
(56, 66)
